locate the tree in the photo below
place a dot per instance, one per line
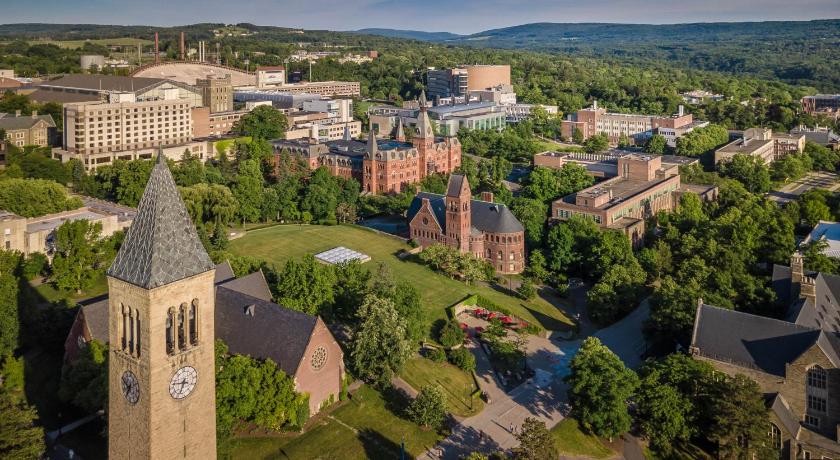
(85, 381)
(656, 144)
(665, 415)
(599, 387)
(428, 409)
(533, 214)
(535, 441)
(35, 197)
(20, 437)
(577, 135)
(463, 359)
(380, 345)
(748, 170)
(351, 288)
(77, 258)
(264, 122)
(248, 190)
(255, 391)
(9, 309)
(596, 143)
(321, 195)
(740, 419)
(451, 334)
(702, 140)
(616, 293)
(306, 286)
(527, 290)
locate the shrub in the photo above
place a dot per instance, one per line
(527, 290)
(462, 358)
(35, 264)
(437, 355)
(451, 334)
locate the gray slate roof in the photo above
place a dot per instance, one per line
(11, 122)
(486, 217)
(453, 187)
(161, 246)
(103, 82)
(757, 342)
(782, 410)
(823, 313)
(272, 332)
(224, 272)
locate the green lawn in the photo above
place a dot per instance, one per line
(457, 384)
(364, 427)
(552, 146)
(280, 243)
(51, 294)
(572, 441)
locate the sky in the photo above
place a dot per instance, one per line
(458, 16)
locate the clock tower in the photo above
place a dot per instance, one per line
(162, 397)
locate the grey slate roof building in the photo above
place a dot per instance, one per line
(10, 122)
(486, 217)
(162, 245)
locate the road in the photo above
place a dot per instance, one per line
(812, 180)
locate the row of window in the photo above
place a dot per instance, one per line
(129, 330)
(182, 327)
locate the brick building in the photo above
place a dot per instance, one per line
(216, 93)
(762, 143)
(637, 127)
(387, 166)
(795, 361)
(167, 305)
(486, 229)
(642, 188)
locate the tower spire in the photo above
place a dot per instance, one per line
(162, 245)
(347, 136)
(400, 134)
(372, 148)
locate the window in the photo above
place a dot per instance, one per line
(812, 421)
(775, 436)
(194, 322)
(816, 378)
(182, 337)
(816, 404)
(170, 333)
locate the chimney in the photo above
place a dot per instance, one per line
(17, 113)
(595, 104)
(183, 55)
(157, 49)
(34, 114)
(487, 196)
(681, 110)
(808, 289)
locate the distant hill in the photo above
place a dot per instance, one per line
(411, 34)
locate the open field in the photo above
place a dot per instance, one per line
(71, 44)
(571, 441)
(51, 294)
(363, 427)
(457, 384)
(283, 242)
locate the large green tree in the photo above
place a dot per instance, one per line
(85, 381)
(380, 345)
(9, 308)
(306, 285)
(248, 190)
(78, 257)
(35, 197)
(599, 388)
(429, 407)
(264, 122)
(740, 419)
(20, 437)
(535, 441)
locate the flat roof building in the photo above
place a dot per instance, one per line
(91, 88)
(216, 93)
(822, 103)
(643, 187)
(762, 143)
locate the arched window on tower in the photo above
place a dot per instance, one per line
(130, 332)
(137, 333)
(182, 338)
(194, 322)
(170, 331)
(122, 327)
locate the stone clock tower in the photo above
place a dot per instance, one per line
(162, 398)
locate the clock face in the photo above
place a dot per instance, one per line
(183, 382)
(130, 387)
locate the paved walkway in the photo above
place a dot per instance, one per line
(503, 411)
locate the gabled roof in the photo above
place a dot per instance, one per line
(486, 217)
(261, 329)
(10, 123)
(224, 272)
(96, 319)
(757, 342)
(253, 285)
(161, 246)
(782, 410)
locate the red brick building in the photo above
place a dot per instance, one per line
(481, 227)
(381, 166)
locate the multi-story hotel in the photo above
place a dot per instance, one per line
(387, 166)
(480, 227)
(638, 128)
(642, 188)
(97, 133)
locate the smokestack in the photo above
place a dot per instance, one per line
(182, 46)
(157, 49)
(595, 104)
